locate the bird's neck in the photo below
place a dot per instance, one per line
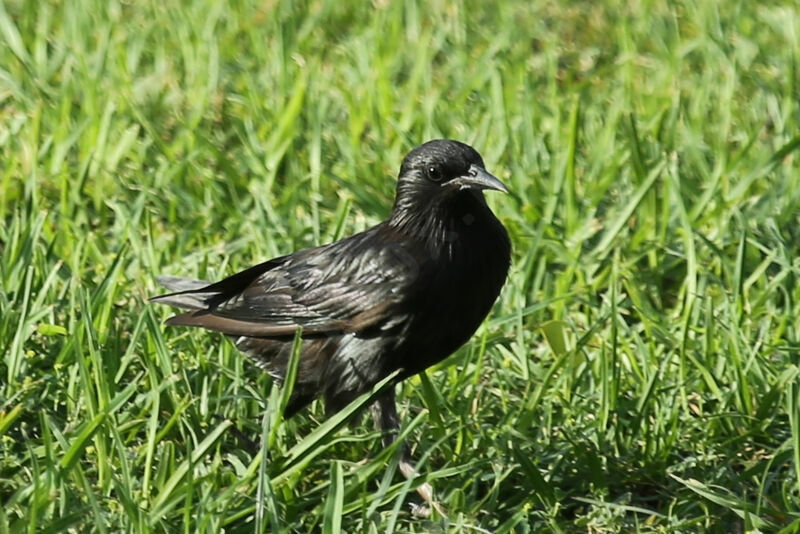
(440, 222)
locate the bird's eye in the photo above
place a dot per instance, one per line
(434, 173)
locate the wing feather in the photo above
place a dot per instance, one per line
(344, 287)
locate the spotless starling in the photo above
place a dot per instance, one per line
(402, 295)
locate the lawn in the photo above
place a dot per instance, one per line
(640, 371)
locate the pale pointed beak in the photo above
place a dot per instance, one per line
(478, 178)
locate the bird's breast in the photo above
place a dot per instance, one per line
(460, 284)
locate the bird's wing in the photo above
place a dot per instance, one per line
(348, 286)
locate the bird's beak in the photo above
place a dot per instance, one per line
(478, 178)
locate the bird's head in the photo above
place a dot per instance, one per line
(441, 183)
(444, 166)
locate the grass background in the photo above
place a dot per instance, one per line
(639, 373)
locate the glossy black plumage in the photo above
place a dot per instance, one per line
(402, 295)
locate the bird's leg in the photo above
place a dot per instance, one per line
(248, 444)
(384, 413)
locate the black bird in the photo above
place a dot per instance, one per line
(402, 295)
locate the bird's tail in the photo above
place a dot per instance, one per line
(187, 294)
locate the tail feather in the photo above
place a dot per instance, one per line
(176, 283)
(187, 294)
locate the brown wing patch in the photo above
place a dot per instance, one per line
(238, 327)
(369, 317)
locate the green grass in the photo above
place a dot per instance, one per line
(639, 373)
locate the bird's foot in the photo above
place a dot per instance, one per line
(424, 490)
